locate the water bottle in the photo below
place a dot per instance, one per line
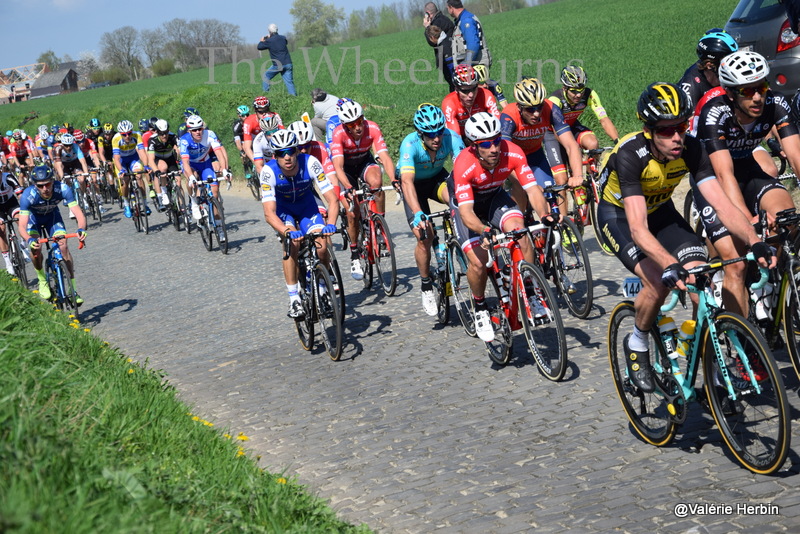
(502, 283)
(717, 283)
(763, 301)
(668, 331)
(580, 196)
(685, 336)
(441, 251)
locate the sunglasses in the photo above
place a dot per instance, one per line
(533, 109)
(669, 131)
(283, 152)
(196, 130)
(575, 90)
(434, 135)
(355, 124)
(44, 185)
(490, 143)
(125, 134)
(467, 90)
(749, 92)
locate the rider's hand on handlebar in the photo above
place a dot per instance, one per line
(419, 219)
(329, 229)
(674, 276)
(295, 234)
(576, 180)
(486, 237)
(551, 219)
(764, 253)
(33, 243)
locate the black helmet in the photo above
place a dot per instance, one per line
(715, 45)
(41, 173)
(662, 102)
(153, 121)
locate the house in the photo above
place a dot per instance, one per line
(63, 80)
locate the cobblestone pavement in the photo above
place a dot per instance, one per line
(415, 430)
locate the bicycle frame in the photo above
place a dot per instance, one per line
(508, 242)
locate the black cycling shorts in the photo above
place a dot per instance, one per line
(428, 189)
(493, 211)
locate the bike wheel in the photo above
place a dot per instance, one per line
(791, 320)
(328, 313)
(17, 259)
(499, 349)
(175, 209)
(545, 334)
(647, 412)
(754, 425)
(364, 254)
(64, 292)
(462, 294)
(385, 261)
(442, 287)
(204, 227)
(219, 226)
(254, 185)
(338, 286)
(573, 272)
(143, 214)
(135, 208)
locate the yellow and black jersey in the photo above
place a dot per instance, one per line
(632, 170)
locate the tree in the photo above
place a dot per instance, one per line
(50, 59)
(152, 43)
(87, 65)
(120, 48)
(162, 67)
(315, 22)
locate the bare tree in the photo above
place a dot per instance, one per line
(152, 44)
(120, 48)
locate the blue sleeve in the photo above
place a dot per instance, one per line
(67, 194)
(469, 29)
(557, 121)
(456, 143)
(263, 45)
(507, 126)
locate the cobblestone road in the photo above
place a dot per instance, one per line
(415, 431)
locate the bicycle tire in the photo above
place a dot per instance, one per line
(65, 294)
(441, 282)
(383, 252)
(364, 254)
(135, 207)
(305, 324)
(791, 320)
(17, 258)
(499, 349)
(336, 273)
(254, 186)
(143, 213)
(579, 213)
(647, 412)
(328, 313)
(175, 211)
(204, 226)
(546, 338)
(220, 229)
(462, 294)
(755, 426)
(573, 271)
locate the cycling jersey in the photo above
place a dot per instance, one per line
(198, 152)
(529, 137)
(163, 149)
(474, 184)
(719, 129)
(330, 126)
(21, 149)
(8, 186)
(355, 151)
(572, 112)
(104, 145)
(251, 127)
(126, 147)
(318, 150)
(297, 189)
(60, 153)
(43, 211)
(415, 158)
(4, 146)
(87, 146)
(694, 84)
(238, 129)
(261, 147)
(146, 136)
(632, 170)
(455, 115)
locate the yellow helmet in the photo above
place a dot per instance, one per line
(529, 92)
(480, 70)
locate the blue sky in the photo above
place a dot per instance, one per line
(30, 27)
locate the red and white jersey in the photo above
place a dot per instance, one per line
(455, 115)
(474, 183)
(344, 146)
(21, 149)
(317, 149)
(251, 128)
(88, 146)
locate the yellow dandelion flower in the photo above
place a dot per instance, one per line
(242, 437)
(240, 452)
(37, 291)
(281, 480)
(129, 360)
(15, 279)
(75, 326)
(130, 371)
(87, 329)
(226, 436)
(71, 316)
(208, 423)
(195, 418)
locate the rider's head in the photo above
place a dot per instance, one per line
(42, 178)
(303, 131)
(351, 114)
(466, 81)
(743, 74)
(429, 122)
(483, 130)
(261, 104)
(67, 140)
(243, 111)
(284, 147)
(195, 125)
(269, 123)
(530, 94)
(125, 128)
(665, 110)
(162, 127)
(713, 46)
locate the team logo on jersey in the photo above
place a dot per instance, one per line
(265, 187)
(321, 177)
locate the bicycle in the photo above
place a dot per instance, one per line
(177, 213)
(317, 281)
(521, 299)
(212, 217)
(560, 253)
(251, 177)
(440, 272)
(374, 241)
(136, 202)
(17, 252)
(58, 278)
(585, 198)
(752, 415)
(80, 196)
(92, 194)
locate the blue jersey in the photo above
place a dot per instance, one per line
(298, 189)
(200, 151)
(414, 158)
(41, 209)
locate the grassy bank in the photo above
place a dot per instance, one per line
(92, 442)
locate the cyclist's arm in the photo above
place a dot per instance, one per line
(791, 147)
(85, 167)
(602, 116)
(151, 157)
(636, 215)
(22, 224)
(722, 162)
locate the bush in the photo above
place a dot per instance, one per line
(163, 67)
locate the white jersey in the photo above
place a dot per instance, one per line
(261, 148)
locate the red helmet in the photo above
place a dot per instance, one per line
(261, 103)
(465, 76)
(78, 135)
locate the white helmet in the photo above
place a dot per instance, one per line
(162, 126)
(303, 131)
(742, 68)
(194, 121)
(282, 139)
(67, 139)
(125, 127)
(350, 111)
(482, 126)
(270, 122)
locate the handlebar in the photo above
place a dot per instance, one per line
(287, 241)
(43, 240)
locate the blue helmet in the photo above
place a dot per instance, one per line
(41, 173)
(428, 119)
(715, 45)
(188, 112)
(144, 125)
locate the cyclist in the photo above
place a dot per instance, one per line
(182, 129)
(238, 128)
(105, 151)
(195, 149)
(21, 151)
(262, 150)
(309, 145)
(702, 76)
(162, 155)
(39, 213)
(290, 207)
(481, 204)
(130, 157)
(526, 123)
(93, 130)
(350, 152)
(731, 126)
(640, 222)
(87, 146)
(423, 178)
(68, 159)
(44, 143)
(492, 85)
(10, 189)
(250, 126)
(334, 121)
(467, 100)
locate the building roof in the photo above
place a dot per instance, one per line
(50, 79)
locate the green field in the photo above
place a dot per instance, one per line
(623, 45)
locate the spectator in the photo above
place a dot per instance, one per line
(444, 57)
(469, 43)
(441, 42)
(324, 108)
(792, 8)
(281, 60)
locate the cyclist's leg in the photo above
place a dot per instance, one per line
(374, 178)
(422, 251)
(765, 161)
(290, 266)
(4, 242)
(585, 137)
(506, 215)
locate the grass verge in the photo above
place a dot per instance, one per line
(93, 442)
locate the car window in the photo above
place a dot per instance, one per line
(757, 10)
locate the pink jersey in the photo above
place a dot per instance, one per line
(352, 150)
(473, 182)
